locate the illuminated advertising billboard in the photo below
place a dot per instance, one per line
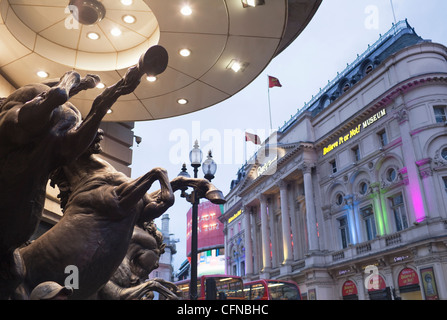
(211, 262)
(209, 229)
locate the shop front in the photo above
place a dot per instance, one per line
(349, 291)
(377, 288)
(409, 286)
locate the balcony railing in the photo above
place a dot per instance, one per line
(376, 245)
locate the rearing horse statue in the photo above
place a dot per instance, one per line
(101, 208)
(39, 132)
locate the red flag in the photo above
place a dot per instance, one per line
(252, 138)
(274, 82)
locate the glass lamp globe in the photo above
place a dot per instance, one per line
(195, 156)
(209, 167)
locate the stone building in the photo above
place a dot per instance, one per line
(354, 205)
(165, 269)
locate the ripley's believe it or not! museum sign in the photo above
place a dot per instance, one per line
(354, 131)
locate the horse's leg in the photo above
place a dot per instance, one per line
(203, 187)
(79, 139)
(88, 82)
(139, 292)
(12, 273)
(35, 114)
(131, 192)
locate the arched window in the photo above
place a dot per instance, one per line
(325, 101)
(339, 199)
(391, 174)
(444, 153)
(363, 188)
(346, 86)
(367, 67)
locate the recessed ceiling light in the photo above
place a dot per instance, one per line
(93, 36)
(186, 11)
(182, 101)
(100, 85)
(252, 3)
(237, 65)
(129, 19)
(151, 78)
(42, 74)
(109, 111)
(185, 52)
(116, 32)
(127, 2)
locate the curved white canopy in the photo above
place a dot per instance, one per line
(42, 35)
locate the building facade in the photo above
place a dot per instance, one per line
(165, 269)
(354, 205)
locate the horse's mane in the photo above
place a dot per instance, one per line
(59, 179)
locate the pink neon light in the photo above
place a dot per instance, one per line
(418, 204)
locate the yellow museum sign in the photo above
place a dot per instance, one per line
(354, 131)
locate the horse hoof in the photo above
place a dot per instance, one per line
(215, 196)
(154, 61)
(91, 81)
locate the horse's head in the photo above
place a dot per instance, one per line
(23, 95)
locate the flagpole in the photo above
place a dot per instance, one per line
(394, 13)
(245, 146)
(270, 110)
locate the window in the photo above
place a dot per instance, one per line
(444, 153)
(333, 166)
(398, 208)
(369, 68)
(346, 87)
(391, 175)
(383, 138)
(356, 153)
(445, 183)
(440, 114)
(363, 188)
(339, 199)
(344, 232)
(369, 221)
(326, 101)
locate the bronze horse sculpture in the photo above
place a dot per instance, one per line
(39, 132)
(129, 282)
(102, 207)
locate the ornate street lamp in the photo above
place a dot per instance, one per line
(195, 156)
(209, 167)
(209, 170)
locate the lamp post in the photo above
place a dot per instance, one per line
(209, 169)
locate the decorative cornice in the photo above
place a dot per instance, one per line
(249, 184)
(385, 100)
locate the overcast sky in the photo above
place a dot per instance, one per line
(340, 30)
